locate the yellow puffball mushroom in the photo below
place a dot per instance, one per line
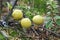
(26, 23)
(17, 14)
(38, 19)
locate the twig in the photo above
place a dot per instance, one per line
(7, 17)
(1, 4)
(34, 31)
(0, 7)
(29, 36)
(54, 33)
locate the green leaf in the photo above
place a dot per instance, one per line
(57, 17)
(9, 5)
(29, 14)
(49, 24)
(1, 36)
(24, 38)
(58, 22)
(13, 33)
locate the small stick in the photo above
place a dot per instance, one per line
(54, 33)
(34, 31)
(7, 17)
